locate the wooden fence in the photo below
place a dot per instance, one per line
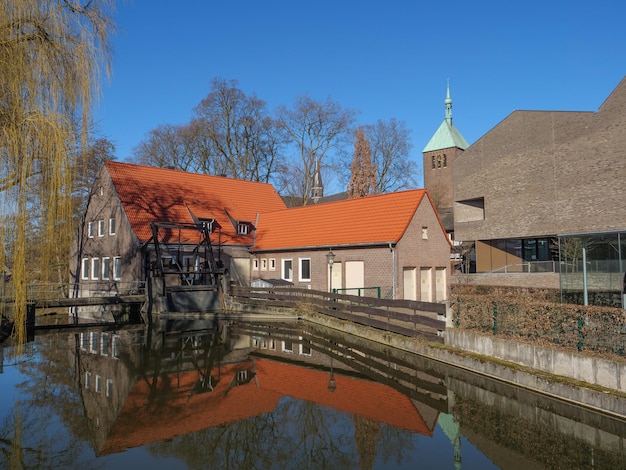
(405, 317)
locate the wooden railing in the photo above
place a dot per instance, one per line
(406, 317)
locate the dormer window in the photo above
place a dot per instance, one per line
(208, 223)
(243, 228)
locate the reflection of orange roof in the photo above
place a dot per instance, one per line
(179, 412)
(152, 194)
(376, 219)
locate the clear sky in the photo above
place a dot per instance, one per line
(386, 59)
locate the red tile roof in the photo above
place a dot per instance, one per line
(376, 219)
(177, 412)
(152, 194)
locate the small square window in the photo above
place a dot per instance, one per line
(112, 226)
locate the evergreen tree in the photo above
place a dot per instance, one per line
(363, 172)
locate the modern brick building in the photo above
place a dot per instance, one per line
(546, 191)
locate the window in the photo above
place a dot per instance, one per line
(424, 233)
(255, 264)
(263, 264)
(243, 228)
(305, 347)
(106, 268)
(115, 346)
(85, 268)
(93, 342)
(287, 270)
(84, 341)
(434, 162)
(272, 264)
(305, 269)
(112, 226)
(87, 380)
(101, 228)
(98, 384)
(95, 268)
(104, 344)
(288, 346)
(109, 388)
(117, 268)
(90, 229)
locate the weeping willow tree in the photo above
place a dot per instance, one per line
(52, 55)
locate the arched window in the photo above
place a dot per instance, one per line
(434, 165)
(445, 162)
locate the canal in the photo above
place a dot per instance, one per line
(197, 394)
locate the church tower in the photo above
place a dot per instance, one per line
(439, 154)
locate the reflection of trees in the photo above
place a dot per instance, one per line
(366, 436)
(47, 395)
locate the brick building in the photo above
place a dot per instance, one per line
(185, 234)
(545, 191)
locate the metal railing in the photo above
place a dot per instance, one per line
(529, 267)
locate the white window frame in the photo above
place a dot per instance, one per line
(98, 384)
(424, 233)
(94, 339)
(95, 268)
(302, 347)
(263, 264)
(301, 278)
(286, 349)
(243, 228)
(255, 264)
(283, 274)
(116, 344)
(101, 228)
(87, 380)
(117, 268)
(112, 226)
(104, 344)
(84, 270)
(106, 268)
(109, 388)
(272, 264)
(90, 230)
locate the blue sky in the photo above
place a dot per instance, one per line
(388, 59)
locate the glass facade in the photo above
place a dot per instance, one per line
(592, 268)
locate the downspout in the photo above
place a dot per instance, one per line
(393, 271)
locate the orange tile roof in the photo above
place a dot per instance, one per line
(376, 219)
(152, 194)
(178, 412)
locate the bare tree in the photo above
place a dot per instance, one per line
(168, 146)
(316, 129)
(363, 172)
(241, 138)
(390, 146)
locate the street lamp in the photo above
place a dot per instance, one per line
(332, 385)
(330, 257)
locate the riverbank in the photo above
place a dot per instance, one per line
(595, 396)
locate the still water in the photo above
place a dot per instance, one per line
(190, 394)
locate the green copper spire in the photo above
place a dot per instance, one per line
(447, 136)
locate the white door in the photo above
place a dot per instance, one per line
(440, 284)
(355, 276)
(426, 283)
(410, 288)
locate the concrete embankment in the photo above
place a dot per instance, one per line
(573, 377)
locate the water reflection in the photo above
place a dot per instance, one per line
(279, 395)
